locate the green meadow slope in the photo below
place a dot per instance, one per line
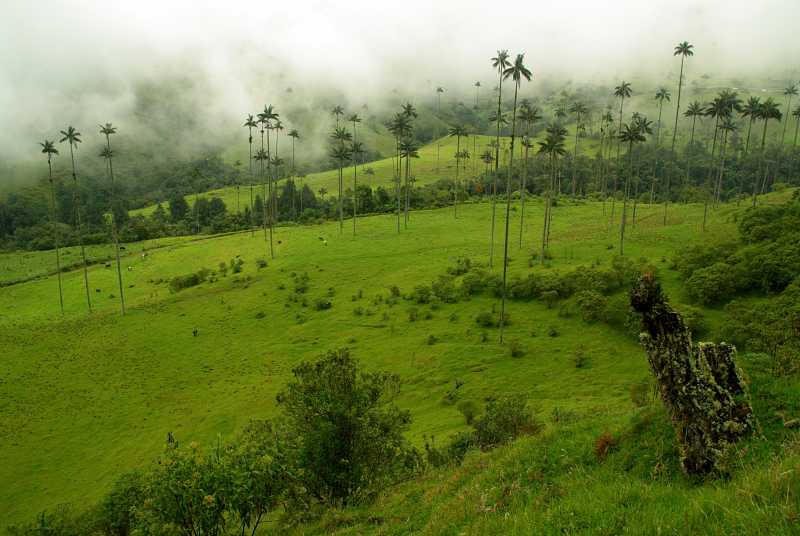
(86, 397)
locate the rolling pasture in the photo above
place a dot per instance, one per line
(86, 397)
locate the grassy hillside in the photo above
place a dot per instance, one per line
(424, 169)
(83, 398)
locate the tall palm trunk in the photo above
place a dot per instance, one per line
(355, 180)
(76, 202)
(628, 180)
(674, 136)
(496, 169)
(547, 204)
(508, 211)
(575, 157)
(654, 174)
(522, 187)
(455, 186)
(55, 233)
(786, 123)
(616, 172)
(250, 160)
(408, 186)
(749, 128)
(718, 191)
(688, 155)
(761, 163)
(114, 229)
(796, 128)
(710, 174)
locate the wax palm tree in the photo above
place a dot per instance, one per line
(796, 115)
(107, 130)
(340, 154)
(267, 118)
(458, 131)
(553, 146)
(529, 115)
(400, 127)
(439, 91)
(73, 138)
(768, 111)
(408, 150)
(726, 127)
(623, 91)
(250, 123)
(356, 150)
(694, 111)
(49, 149)
(579, 109)
(517, 72)
(684, 50)
(295, 135)
(789, 92)
(501, 63)
(662, 95)
(631, 133)
(477, 90)
(337, 112)
(751, 111)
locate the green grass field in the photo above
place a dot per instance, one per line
(86, 397)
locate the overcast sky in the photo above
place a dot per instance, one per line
(71, 61)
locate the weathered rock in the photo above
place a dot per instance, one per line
(700, 385)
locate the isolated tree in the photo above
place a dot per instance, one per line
(631, 133)
(458, 131)
(751, 110)
(796, 115)
(295, 135)
(73, 138)
(250, 123)
(528, 115)
(439, 91)
(501, 63)
(337, 112)
(356, 150)
(684, 50)
(789, 92)
(408, 150)
(107, 130)
(49, 149)
(340, 153)
(662, 95)
(623, 91)
(694, 111)
(768, 111)
(267, 117)
(552, 146)
(517, 72)
(477, 90)
(579, 109)
(726, 127)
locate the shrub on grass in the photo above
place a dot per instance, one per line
(469, 409)
(180, 282)
(504, 420)
(592, 305)
(515, 348)
(320, 304)
(603, 445)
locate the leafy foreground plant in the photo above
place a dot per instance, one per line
(700, 385)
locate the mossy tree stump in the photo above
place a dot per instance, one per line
(700, 384)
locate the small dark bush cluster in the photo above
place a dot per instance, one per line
(301, 282)
(321, 304)
(491, 319)
(181, 282)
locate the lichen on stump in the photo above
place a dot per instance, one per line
(700, 385)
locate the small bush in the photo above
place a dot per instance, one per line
(432, 340)
(579, 359)
(320, 304)
(549, 297)
(469, 409)
(640, 393)
(552, 331)
(462, 266)
(394, 291)
(515, 348)
(413, 314)
(488, 319)
(592, 305)
(261, 263)
(181, 282)
(504, 420)
(421, 294)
